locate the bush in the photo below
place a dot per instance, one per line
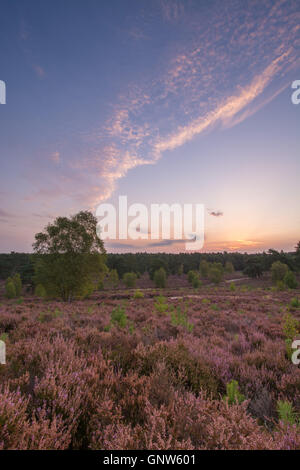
(229, 267)
(286, 412)
(10, 289)
(161, 304)
(138, 294)
(160, 278)
(278, 271)
(114, 278)
(290, 280)
(232, 286)
(129, 279)
(196, 282)
(295, 303)
(204, 269)
(215, 274)
(191, 276)
(118, 317)
(233, 394)
(40, 291)
(18, 284)
(280, 285)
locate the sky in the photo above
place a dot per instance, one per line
(164, 101)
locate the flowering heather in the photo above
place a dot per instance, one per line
(75, 379)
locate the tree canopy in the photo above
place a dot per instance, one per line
(70, 256)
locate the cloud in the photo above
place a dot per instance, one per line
(219, 75)
(172, 10)
(216, 213)
(5, 214)
(55, 157)
(39, 70)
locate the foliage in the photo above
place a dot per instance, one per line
(10, 288)
(233, 394)
(118, 317)
(215, 274)
(229, 267)
(286, 412)
(160, 278)
(295, 303)
(253, 268)
(180, 318)
(138, 294)
(290, 329)
(113, 278)
(196, 282)
(278, 271)
(204, 269)
(290, 280)
(161, 304)
(71, 256)
(68, 384)
(40, 291)
(129, 279)
(18, 284)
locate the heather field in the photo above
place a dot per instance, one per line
(150, 369)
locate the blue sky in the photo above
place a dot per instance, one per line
(161, 100)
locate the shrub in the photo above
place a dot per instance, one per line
(180, 270)
(129, 279)
(290, 280)
(295, 303)
(215, 275)
(204, 269)
(114, 278)
(278, 271)
(286, 413)
(18, 284)
(232, 286)
(10, 289)
(40, 291)
(229, 267)
(160, 278)
(196, 282)
(118, 317)
(280, 285)
(233, 394)
(138, 294)
(290, 330)
(191, 275)
(161, 305)
(179, 318)
(253, 268)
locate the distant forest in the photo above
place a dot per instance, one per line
(148, 262)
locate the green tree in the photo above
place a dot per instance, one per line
(129, 279)
(160, 278)
(10, 288)
(297, 257)
(290, 280)
(204, 269)
(253, 268)
(180, 270)
(215, 274)
(70, 256)
(40, 291)
(18, 284)
(229, 267)
(114, 278)
(191, 276)
(278, 271)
